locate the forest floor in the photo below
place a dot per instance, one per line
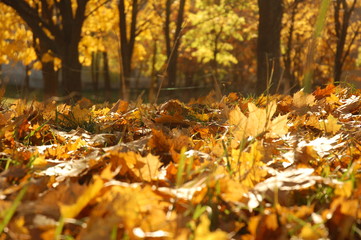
(271, 167)
(184, 94)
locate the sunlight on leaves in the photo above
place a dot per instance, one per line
(202, 231)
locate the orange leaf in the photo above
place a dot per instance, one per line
(159, 141)
(325, 92)
(120, 106)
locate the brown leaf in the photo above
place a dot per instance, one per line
(325, 92)
(120, 107)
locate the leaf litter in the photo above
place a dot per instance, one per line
(275, 167)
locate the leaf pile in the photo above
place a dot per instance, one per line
(275, 167)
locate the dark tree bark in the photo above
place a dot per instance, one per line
(95, 69)
(342, 15)
(106, 73)
(291, 84)
(50, 76)
(173, 42)
(268, 45)
(65, 30)
(153, 80)
(26, 87)
(127, 43)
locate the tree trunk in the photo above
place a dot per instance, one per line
(172, 69)
(50, 78)
(268, 45)
(59, 36)
(291, 84)
(27, 80)
(127, 43)
(341, 28)
(172, 49)
(71, 72)
(106, 73)
(124, 43)
(95, 70)
(153, 79)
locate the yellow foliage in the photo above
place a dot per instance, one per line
(202, 231)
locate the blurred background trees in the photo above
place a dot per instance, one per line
(185, 46)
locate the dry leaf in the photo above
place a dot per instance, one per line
(202, 231)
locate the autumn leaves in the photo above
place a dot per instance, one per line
(243, 168)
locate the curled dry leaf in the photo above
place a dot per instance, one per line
(282, 184)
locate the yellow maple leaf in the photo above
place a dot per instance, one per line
(345, 189)
(81, 114)
(232, 190)
(302, 99)
(248, 165)
(309, 232)
(71, 211)
(202, 231)
(40, 161)
(278, 127)
(332, 99)
(236, 117)
(259, 121)
(330, 125)
(147, 167)
(137, 207)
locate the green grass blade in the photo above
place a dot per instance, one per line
(59, 229)
(181, 165)
(10, 212)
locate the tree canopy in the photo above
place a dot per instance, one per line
(211, 44)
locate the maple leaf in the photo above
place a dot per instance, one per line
(232, 190)
(159, 141)
(265, 226)
(312, 232)
(248, 165)
(84, 103)
(147, 168)
(283, 182)
(302, 100)
(71, 211)
(278, 126)
(330, 125)
(64, 151)
(120, 106)
(5, 118)
(325, 92)
(81, 114)
(135, 206)
(345, 189)
(202, 231)
(258, 122)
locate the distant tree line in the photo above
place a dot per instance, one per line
(255, 45)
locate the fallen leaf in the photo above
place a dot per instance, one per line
(202, 231)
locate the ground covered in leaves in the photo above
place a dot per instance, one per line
(275, 167)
